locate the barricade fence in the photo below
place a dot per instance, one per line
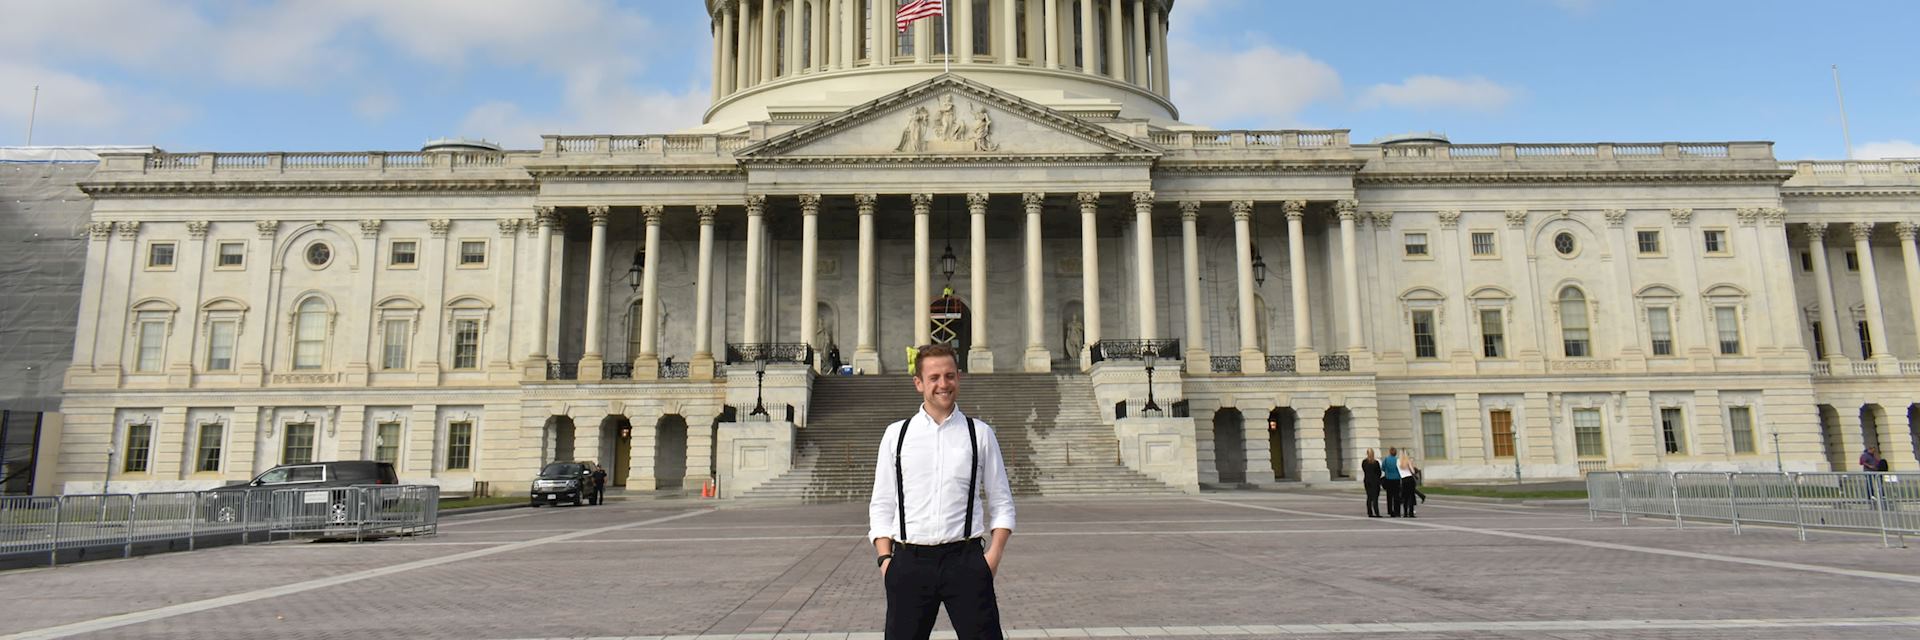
(1886, 503)
(99, 523)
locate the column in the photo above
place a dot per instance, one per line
(817, 40)
(1140, 31)
(1089, 44)
(922, 278)
(1896, 436)
(1089, 269)
(1116, 41)
(1350, 269)
(1908, 255)
(1039, 359)
(85, 352)
(1160, 75)
(961, 41)
(882, 45)
(1143, 264)
(647, 365)
(719, 59)
(1009, 50)
(769, 26)
(1823, 286)
(1310, 438)
(979, 354)
(1305, 360)
(591, 360)
(1252, 360)
(701, 366)
(1051, 36)
(836, 35)
(743, 54)
(750, 308)
(1196, 356)
(1853, 435)
(1870, 288)
(866, 359)
(810, 270)
(795, 23)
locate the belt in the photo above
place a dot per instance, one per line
(936, 549)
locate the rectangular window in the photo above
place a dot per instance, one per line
(403, 253)
(1649, 241)
(1483, 243)
(1740, 420)
(393, 344)
(1673, 429)
(459, 445)
(1819, 342)
(1806, 261)
(160, 255)
(473, 252)
(1416, 244)
(1660, 329)
(1866, 339)
(207, 456)
(1587, 439)
(466, 344)
(386, 442)
(1716, 240)
(139, 448)
(1433, 435)
(220, 337)
(309, 342)
(233, 254)
(1502, 423)
(1423, 346)
(296, 445)
(1727, 320)
(153, 343)
(1853, 261)
(1573, 329)
(1493, 334)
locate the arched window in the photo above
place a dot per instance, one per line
(634, 326)
(1573, 323)
(310, 334)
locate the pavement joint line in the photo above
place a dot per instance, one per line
(138, 617)
(1359, 628)
(492, 519)
(1694, 555)
(1029, 534)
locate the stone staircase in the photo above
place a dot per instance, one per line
(1049, 428)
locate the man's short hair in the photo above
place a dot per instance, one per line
(933, 351)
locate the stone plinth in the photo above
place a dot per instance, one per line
(1162, 448)
(752, 453)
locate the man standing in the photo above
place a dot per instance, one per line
(926, 519)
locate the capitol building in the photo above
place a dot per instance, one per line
(1177, 306)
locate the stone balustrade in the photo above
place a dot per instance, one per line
(1600, 151)
(1810, 173)
(1865, 368)
(303, 162)
(654, 145)
(1239, 140)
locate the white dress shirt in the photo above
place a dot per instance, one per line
(935, 463)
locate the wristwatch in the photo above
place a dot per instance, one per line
(882, 560)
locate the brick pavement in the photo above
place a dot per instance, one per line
(1226, 564)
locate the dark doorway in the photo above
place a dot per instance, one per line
(950, 324)
(670, 453)
(1230, 446)
(1282, 424)
(560, 434)
(616, 432)
(1334, 424)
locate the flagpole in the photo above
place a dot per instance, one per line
(1846, 137)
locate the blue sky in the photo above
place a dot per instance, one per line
(389, 74)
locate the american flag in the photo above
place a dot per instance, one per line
(916, 10)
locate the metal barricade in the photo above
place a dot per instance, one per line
(329, 511)
(1900, 499)
(1839, 500)
(89, 521)
(1603, 494)
(27, 524)
(1767, 498)
(163, 516)
(1703, 496)
(400, 510)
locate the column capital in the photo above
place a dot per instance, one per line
(1087, 198)
(1616, 218)
(1774, 216)
(531, 225)
(1295, 209)
(866, 201)
(1862, 230)
(1817, 231)
(1242, 209)
(370, 228)
(809, 204)
(756, 205)
(128, 229)
(1345, 208)
(1450, 218)
(1033, 199)
(653, 213)
(976, 200)
(544, 214)
(1906, 231)
(100, 230)
(1189, 210)
(509, 227)
(267, 228)
(921, 200)
(706, 212)
(1383, 218)
(1516, 218)
(1748, 216)
(598, 213)
(440, 227)
(1143, 198)
(1682, 216)
(197, 229)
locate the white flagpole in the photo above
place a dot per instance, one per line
(946, 26)
(1845, 136)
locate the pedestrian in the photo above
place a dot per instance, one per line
(1390, 480)
(1370, 475)
(599, 484)
(1409, 485)
(938, 543)
(1871, 462)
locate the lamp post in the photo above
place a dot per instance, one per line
(1259, 269)
(638, 269)
(759, 386)
(1777, 465)
(1151, 410)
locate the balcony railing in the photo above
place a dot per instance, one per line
(1224, 364)
(1280, 364)
(1238, 139)
(563, 371)
(1135, 349)
(772, 352)
(616, 371)
(1336, 362)
(671, 370)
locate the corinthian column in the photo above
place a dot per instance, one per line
(750, 308)
(1196, 357)
(1009, 49)
(1909, 257)
(1143, 264)
(1305, 360)
(1051, 34)
(979, 353)
(1089, 44)
(866, 359)
(922, 278)
(1252, 360)
(1116, 41)
(769, 28)
(542, 260)
(701, 366)
(1139, 33)
(646, 365)
(591, 360)
(743, 56)
(1039, 360)
(1870, 287)
(810, 271)
(1350, 270)
(1823, 287)
(1089, 270)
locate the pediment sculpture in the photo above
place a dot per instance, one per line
(944, 130)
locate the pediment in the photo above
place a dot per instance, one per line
(947, 119)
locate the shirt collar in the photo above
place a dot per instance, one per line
(957, 417)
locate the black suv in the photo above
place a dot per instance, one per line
(563, 482)
(228, 503)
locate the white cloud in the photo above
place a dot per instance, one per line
(1439, 92)
(1886, 149)
(375, 107)
(609, 110)
(76, 110)
(1261, 86)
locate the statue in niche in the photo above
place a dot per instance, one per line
(983, 130)
(1076, 334)
(948, 125)
(914, 138)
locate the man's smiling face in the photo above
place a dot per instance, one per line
(938, 382)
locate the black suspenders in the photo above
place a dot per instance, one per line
(900, 483)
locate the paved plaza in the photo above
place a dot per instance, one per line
(1224, 564)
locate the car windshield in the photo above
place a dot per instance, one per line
(561, 470)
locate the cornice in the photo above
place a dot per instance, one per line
(1262, 166)
(635, 171)
(302, 187)
(1850, 192)
(936, 159)
(1761, 176)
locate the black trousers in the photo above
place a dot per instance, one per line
(920, 579)
(1409, 496)
(1373, 498)
(1393, 496)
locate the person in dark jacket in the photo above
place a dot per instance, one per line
(1390, 480)
(1370, 474)
(599, 484)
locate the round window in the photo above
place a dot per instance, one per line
(1563, 243)
(319, 254)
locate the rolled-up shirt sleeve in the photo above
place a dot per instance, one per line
(883, 509)
(999, 491)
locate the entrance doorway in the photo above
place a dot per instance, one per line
(1282, 423)
(950, 324)
(560, 434)
(1334, 425)
(1230, 446)
(670, 453)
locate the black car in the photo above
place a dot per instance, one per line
(563, 482)
(231, 502)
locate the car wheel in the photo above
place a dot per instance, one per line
(226, 514)
(338, 512)
(579, 499)
(533, 504)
